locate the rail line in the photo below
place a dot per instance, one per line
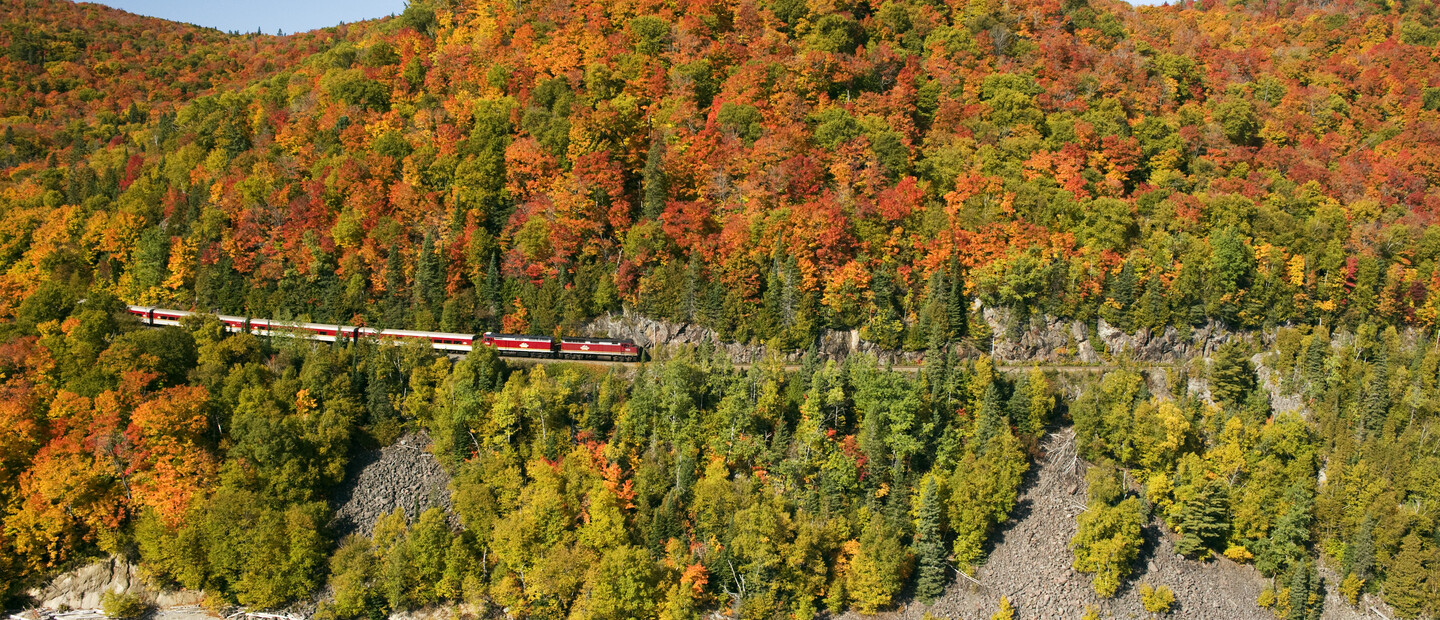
(536, 349)
(509, 345)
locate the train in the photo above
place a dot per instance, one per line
(511, 345)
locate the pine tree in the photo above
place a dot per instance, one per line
(1020, 404)
(1304, 604)
(490, 293)
(1232, 378)
(929, 548)
(1359, 556)
(657, 186)
(1290, 535)
(1122, 292)
(1377, 394)
(957, 306)
(992, 410)
(429, 281)
(1204, 520)
(935, 319)
(1315, 355)
(394, 314)
(1405, 580)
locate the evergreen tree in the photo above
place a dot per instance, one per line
(957, 305)
(992, 410)
(1406, 582)
(1123, 292)
(935, 319)
(928, 547)
(657, 185)
(429, 277)
(1204, 520)
(1359, 557)
(490, 294)
(1232, 377)
(1304, 587)
(1290, 536)
(394, 312)
(1376, 405)
(1019, 406)
(1315, 355)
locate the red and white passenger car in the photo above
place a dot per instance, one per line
(516, 345)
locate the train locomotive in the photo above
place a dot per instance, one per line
(510, 345)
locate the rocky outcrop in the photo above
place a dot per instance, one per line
(1038, 339)
(83, 587)
(1281, 400)
(1047, 339)
(654, 334)
(401, 475)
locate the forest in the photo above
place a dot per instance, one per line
(769, 170)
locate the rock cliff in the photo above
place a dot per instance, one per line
(1037, 339)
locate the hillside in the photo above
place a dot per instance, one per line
(1219, 187)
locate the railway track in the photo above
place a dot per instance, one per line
(509, 345)
(517, 348)
(907, 368)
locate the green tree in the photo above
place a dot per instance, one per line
(983, 491)
(1230, 269)
(429, 278)
(1204, 520)
(623, 585)
(657, 186)
(1407, 578)
(1305, 595)
(353, 578)
(1232, 377)
(1107, 542)
(877, 572)
(928, 547)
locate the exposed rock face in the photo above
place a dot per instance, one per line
(83, 588)
(1280, 400)
(1039, 339)
(652, 334)
(401, 475)
(1046, 339)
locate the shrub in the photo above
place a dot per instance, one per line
(1157, 600)
(1006, 612)
(1351, 588)
(121, 605)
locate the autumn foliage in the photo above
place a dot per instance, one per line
(768, 169)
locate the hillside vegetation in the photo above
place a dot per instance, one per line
(763, 168)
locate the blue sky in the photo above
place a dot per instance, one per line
(267, 15)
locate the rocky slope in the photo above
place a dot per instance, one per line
(1030, 564)
(401, 475)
